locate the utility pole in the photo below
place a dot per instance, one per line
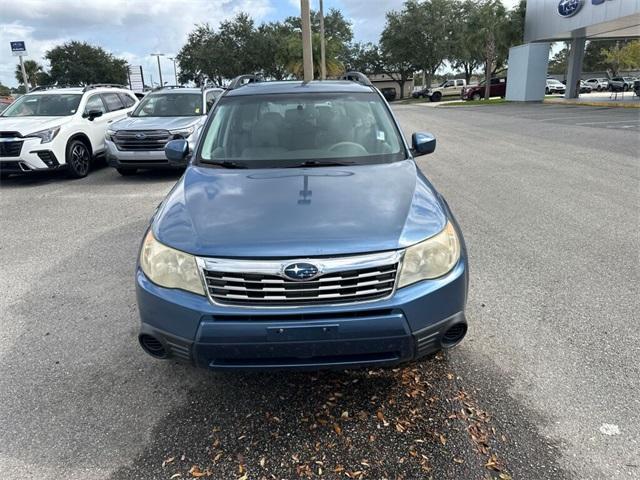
(25, 79)
(323, 60)
(175, 72)
(307, 53)
(158, 55)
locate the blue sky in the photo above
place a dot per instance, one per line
(134, 28)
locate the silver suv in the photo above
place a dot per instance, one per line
(167, 113)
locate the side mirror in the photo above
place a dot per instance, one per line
(93, 114)
(129, 113)
(177, 152)
(422, 143)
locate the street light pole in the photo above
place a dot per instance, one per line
(175, 72)
(158, 55)
(307, 54)
(323, 61)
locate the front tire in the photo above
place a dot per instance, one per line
(547, 91)
(126, 172)
(78, 159)
(436, 97)
(477, 97)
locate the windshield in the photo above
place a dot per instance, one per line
(266, 131)
(169, 105)
(44, 105)
(554, 82)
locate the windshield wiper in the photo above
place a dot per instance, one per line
(224, 163)
(316, 163)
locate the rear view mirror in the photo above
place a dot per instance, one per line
(93, 114)
(177, 152)
(422, 143)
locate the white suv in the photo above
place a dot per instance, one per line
(60, 128)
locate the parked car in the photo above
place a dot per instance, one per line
(53, 128)
(585, 87)
(621, 84)
(498, 88)
(554, 86)
(389, 93)
(636, 87)
(165, 114)
(448, 88)
(598, 84)
(302, 235)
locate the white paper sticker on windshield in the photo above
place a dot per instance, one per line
(381, 135)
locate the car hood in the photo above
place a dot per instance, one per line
(27, 125)
(156, 123)
(301, 212)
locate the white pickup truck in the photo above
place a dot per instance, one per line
(448, 88)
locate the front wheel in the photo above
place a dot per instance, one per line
(477, 96)
(547, 91)
(626, 88)
(436, 97)
(125, 172)
(78, 159)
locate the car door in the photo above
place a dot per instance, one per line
(449, 88)
(96, 128)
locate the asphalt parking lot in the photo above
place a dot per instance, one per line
(544, 386)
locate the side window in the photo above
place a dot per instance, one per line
(127, 100)
(113, 101)
(460, 83)
(449, 84)
(95, 103)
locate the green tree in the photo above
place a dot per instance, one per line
(4, 90)
(466, 53)
(492, 32)
(558, 63)
(622, 57)
(78, 63)
(294, 55)
(397, 59)
(34, 73)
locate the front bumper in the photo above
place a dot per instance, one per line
(409, 325)
(135, 158)
(32, 155)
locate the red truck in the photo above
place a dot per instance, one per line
(476, 92)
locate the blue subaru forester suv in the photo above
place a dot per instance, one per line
(302, 235)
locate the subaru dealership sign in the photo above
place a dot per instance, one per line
(558, 20)
(568, 8)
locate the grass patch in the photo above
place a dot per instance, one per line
(465, 103)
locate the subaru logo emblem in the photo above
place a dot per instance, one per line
(568, 8)
(140, 136)
(300, 271)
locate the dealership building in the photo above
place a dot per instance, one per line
(575, 21)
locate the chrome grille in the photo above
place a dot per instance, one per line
(141, 139)
(265, 286)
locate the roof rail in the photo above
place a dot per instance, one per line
(49, 87)
(242, 80)
(357, 77)
(98, 85)
(167, 87)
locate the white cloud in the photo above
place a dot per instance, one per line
(124, 28)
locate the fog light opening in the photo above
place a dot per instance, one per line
(152, 346)
(454, 335)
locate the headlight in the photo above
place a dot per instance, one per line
(183, 132)
(431, 258)
(168, 267)
(110, 133)
(45, 136)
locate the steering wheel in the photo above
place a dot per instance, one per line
(357, 146)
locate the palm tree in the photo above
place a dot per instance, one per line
(295, 64)
(33, 69)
